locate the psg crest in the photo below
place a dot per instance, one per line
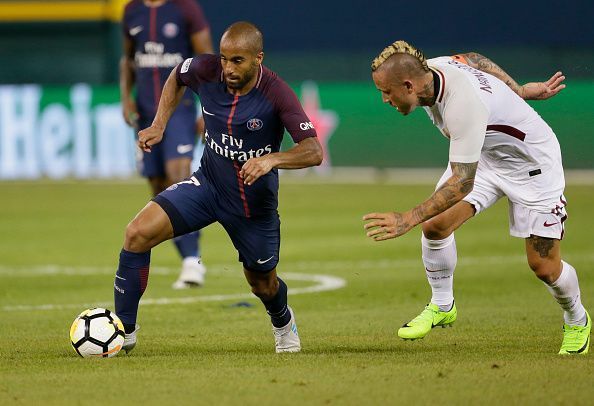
(254, 124)
(170, 30)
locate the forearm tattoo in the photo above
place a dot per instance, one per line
(451, 192)
(484, 64)
(541, 245)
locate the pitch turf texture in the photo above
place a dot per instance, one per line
(59, 244)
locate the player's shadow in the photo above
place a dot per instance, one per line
(258, 349)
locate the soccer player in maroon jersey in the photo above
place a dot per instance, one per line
(246, 109)
(158, 35)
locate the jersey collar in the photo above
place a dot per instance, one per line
(438, 84)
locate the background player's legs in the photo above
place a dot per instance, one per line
(178, 146)
(439, 252)
(150, 227)
(157, 184)
(187, 245)
(544, 258)
(177, 170)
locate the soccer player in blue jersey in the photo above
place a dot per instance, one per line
(246, 109)
(158, 35)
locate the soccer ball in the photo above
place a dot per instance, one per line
(97, 333)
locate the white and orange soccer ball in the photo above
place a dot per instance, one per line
(97, 333)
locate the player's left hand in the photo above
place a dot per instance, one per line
(254, 168)
(386, 225)
(543, 90)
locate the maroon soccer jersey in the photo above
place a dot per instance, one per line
(242, 127)
(161, 38)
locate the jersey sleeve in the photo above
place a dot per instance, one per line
(195, 19)
(194, 71)
(291, 113)
(465, 117)
(460, 58)
(125, 24)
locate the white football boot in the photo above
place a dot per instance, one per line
(130, 340)
(286, 338)
(192, 274)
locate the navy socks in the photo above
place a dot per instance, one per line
(187, 244)
(277, 306)
(129, 285)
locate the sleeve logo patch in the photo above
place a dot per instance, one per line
(254, 124)
(186, 65)
(306, 126)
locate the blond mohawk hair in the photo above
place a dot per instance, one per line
(398, 47)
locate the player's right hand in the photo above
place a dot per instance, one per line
(130, 112)
(149, 137)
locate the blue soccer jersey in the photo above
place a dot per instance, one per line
(242, 127)
(161, 38)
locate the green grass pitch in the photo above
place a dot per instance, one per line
(59, 243)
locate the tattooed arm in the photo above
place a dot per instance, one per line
(391, 225)
(529, 91)
(465, 117)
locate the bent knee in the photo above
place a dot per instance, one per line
(138, 237)
(545, 269)
(437, 229)
(264, 291)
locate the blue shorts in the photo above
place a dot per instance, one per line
(192, 204)
(178, 141)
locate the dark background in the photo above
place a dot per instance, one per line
(329, 40)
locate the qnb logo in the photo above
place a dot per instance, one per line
(306, 126)
(254, 124)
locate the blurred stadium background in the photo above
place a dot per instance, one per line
(59, 101)
(60, 118)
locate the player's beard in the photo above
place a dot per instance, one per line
(242, 82)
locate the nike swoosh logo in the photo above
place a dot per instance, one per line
(119, 277)
(135, 30)
(182, 149)
(206, 112)
(549, 225)
(263, 262)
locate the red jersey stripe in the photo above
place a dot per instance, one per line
(507, 129)
(156, 76)
(246, 209)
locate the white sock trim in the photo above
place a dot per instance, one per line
(437, 244)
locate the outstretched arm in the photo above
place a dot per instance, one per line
(170, 98)
(391, 225)
(306, 153)
(528, 91)
(127, 79)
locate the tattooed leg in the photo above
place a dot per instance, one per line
(560, 278)
(544, 257)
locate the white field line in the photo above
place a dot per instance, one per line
(322, 283)
(315, 266)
